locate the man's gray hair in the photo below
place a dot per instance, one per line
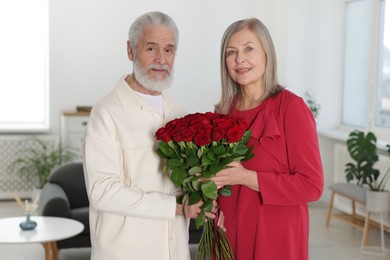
(147, 19)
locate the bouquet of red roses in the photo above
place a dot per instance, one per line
(196, 147)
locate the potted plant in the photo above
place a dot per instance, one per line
(312, 104)
(36, 163)
(363, 150)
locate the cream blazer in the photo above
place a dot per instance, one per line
(132, 204)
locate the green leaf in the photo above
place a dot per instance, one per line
(194, 170)
(246, 137)
(241, 149)
(249, 155)
(174, 163)
(199, 153)
(209, 190)
(207, 174)
(361, 146)
(196, 185)
(192, 160)
(211, 156)
(206, 161)
(166, 149)
(219, 150)
(214, 168)
(362, 149)
(161, 154)
(225, 191)
(207, 205)
(194, 197)
(181, 199)
(178, 175)
(200, 220)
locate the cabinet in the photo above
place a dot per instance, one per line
(73, 125)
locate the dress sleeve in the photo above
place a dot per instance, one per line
(303, 181)
(107, 188)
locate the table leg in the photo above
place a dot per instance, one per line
(54, 249)
(51, 250)
(48, 251)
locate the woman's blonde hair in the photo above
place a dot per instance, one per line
(231, 89)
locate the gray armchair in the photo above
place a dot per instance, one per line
(65, 196)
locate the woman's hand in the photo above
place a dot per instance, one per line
(236, 174)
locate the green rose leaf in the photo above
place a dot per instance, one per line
(206, 161)
(246, 137)
(166, 149)
(241, 149)
(211, 156)
(249, 155)
(209, 190)
(207, 205)
(192, 160)
(178, 175)
(194, 170)
(206, 173)
(226, 191)
(215, 168)
(161, 154)
(219, 150)
(196, 185)
(194, 197)
(180, 200)
(200, 220)
(174, 163)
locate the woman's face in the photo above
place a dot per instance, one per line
(245, 58)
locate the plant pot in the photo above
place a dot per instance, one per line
(378, 201)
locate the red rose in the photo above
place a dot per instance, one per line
(202, 138)
(223, 122)
(163, 135)
(242, 124)
(188, 134)
(234, 134)
(218, 134)
(176, 136)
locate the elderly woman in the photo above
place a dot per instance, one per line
(267, 215)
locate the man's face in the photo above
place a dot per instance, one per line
(154, 58)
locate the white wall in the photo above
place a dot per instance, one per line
(88, 48)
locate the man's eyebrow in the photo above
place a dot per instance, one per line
(156, 44)
(151, 43)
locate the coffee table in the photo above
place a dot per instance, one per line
(48, 231)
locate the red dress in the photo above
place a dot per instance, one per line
(273, 224)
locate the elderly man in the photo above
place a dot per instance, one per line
(133, 210)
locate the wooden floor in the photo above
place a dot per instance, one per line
(339, 241)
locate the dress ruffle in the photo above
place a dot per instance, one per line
(265, 129)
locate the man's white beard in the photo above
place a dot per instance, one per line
(141, 76)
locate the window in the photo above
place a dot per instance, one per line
(23, 65)
(366, 99)
(383, 96)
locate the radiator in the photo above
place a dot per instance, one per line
(11, 147)
(341, 158)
